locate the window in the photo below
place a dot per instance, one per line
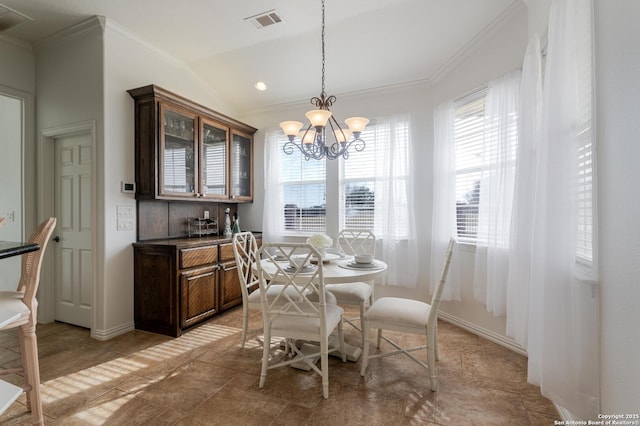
(368, 180)
(304, 191)
(367, 175)
(468, 134)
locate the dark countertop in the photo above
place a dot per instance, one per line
(11, 248)
(185, 242)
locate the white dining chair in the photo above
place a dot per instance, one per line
(407, 316)
(24, 305)
(306, 316)
(245, 249)
(353, 242)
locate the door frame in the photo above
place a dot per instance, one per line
(46, 203)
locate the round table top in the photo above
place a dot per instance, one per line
(338, 271)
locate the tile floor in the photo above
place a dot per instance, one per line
(205, 378)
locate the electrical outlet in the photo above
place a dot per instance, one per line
(10, 216)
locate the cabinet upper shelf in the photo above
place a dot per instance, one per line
(186, 151)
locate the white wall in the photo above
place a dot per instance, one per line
(83, 75)
(17, 70)
(618, 156)
(69, 91)
(500, 51)
(130, 63)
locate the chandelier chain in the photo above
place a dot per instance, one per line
(322, 35)
(313, 142)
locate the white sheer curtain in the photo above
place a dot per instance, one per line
(521, 241)
(444, 224)
(497, 176)
(272, 224)
(394, 204)
(563, 341)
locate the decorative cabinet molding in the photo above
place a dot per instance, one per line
(185, 151)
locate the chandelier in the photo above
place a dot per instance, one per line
(324, 138)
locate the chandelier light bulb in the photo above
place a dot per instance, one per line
(318, 117)
(356, 124)
(291, 128)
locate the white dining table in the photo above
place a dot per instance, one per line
(337, 270)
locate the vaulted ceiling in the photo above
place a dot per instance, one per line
(369, 43)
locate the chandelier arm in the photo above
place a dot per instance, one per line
(358, 145)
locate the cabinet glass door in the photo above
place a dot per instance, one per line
(241, 166)
(214, 160)
(178, 172)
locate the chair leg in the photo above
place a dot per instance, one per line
(435, 340)
(365, 349)
(431, 363)
(341, 338)
(29, 346)
(379, 338)
(245, 323)
(362, 319)
(324, 365)
(266, 346)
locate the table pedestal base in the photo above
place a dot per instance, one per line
(353, 352)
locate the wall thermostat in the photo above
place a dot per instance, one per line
(128, 186)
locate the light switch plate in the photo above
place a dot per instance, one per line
(125, 212)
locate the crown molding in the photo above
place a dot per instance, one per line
(351, 94)
(16, 42)
(88, 25)
(482, 36)
(115, 27)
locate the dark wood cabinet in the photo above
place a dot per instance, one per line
(181, 282)
(185, 151)
(198, 295)
(230, 292)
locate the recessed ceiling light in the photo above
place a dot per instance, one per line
(260, 85)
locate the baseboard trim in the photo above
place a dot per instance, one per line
(113, 332)
(483, 332)
(566, 415)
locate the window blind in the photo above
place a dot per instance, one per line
(304, 191)
(362, 182)
(469, 139)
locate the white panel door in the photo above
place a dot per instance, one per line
(74, 266)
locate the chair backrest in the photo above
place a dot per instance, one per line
(300, 290)
(32, 264)
(245, 249)
(435, 300)
(357, 241)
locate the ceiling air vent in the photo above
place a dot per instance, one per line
(10, 18)
(264, 19)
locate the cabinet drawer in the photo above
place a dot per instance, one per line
(226, 252)
(198, 256)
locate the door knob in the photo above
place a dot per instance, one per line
(56, 239)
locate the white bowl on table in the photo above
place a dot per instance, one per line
(299, 261)
(363, 258)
